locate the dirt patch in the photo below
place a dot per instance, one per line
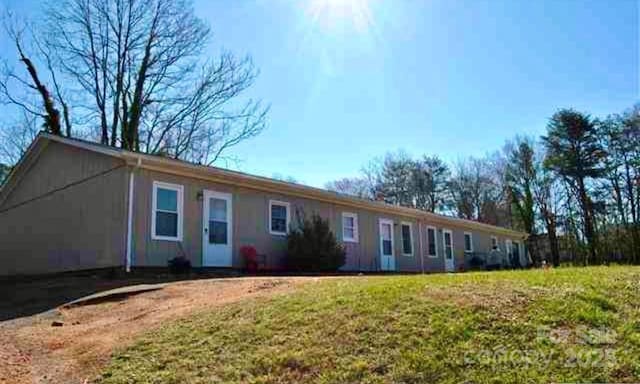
(502, 300)
(34, 351)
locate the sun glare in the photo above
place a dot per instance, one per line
(340, 15)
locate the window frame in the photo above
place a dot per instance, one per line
(356, 236)
(287, 219)
(497, 247)
(515, 246)
(435, 241)
(179, 210)
(470, 234)
(508, 247)
(407, 224)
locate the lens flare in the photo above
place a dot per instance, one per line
(341, 15)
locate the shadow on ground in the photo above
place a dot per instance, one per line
(30, 296)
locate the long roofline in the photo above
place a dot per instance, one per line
(184, 168)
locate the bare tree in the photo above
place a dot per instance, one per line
(35, 98)
(16, 137)
(546, 195)
(354, 186)
(477, 190)
(139, 78)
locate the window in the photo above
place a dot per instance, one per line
(278, 217)
(516, 250)
(508, 247)
(431, 242)
(494, 243)
(407, 243)
(166, 222)
(349, 227)
(468, 242)
(218, 221)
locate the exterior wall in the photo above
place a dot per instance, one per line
(81, 227)
(250, 227)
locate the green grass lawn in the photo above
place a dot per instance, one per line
(565, 325)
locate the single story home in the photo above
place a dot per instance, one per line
(73, 205)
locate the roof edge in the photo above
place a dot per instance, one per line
(180, 167)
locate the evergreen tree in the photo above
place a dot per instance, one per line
(575, 154)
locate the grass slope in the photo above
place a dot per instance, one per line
(566, 325)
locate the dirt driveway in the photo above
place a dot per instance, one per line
(34, 350)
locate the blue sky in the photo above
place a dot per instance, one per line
(347, 83)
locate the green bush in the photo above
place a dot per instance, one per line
(313, 247)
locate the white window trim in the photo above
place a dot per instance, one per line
(470, 242)
(408, 224)
(435, 240)
(355, 237)
(497, 248)
(284, 204)
(508, 247)
(517, 246)
(180, 201)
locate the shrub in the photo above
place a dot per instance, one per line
(313, 247)
(179, 265)
(476, 262)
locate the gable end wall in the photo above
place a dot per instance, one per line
(82, 227)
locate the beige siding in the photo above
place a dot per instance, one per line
(250, 227)
(81, 227)
(84, 226)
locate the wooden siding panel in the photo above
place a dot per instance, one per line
(250, 227)
(82, 227)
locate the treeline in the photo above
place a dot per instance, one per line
(575, 190)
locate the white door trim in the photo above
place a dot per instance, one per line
(387, 262)
(206, 196)
(449, 264)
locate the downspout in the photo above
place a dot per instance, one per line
(420, 242)
(130, 215)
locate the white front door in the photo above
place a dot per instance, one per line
(217, 229)
(387, 259)
(447, 240)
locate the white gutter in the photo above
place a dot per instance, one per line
(130, 215)
(420, 242)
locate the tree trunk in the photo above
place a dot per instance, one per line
(52, 117)
(588, 221)
(553, 239)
